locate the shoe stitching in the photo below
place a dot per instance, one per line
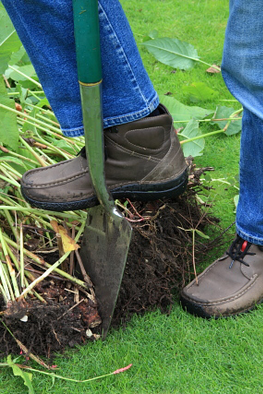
(147, 128)
(159, 167)
(80, 174)
(91, 193)
(232, 298)
(58, 183)
(61, 199)
(132, 153)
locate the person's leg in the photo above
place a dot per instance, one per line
(45, 28)
(249, 216)
(234, 283)
(144, 159)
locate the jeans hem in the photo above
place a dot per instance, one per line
(117, 120)
(248, 237)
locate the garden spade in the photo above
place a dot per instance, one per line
(107, 233)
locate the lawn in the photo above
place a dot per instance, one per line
(177, 353)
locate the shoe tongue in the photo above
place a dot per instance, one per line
(156, 112)
(244, 245)
(82, 153)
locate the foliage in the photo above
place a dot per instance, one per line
(181, 55)
(173, 52)
(9, 41)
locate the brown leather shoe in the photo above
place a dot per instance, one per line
(144, 161)
(231, 285)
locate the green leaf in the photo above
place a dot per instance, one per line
(10, 159)
(23, 94)
(27, 377)
(9, 41)
(8, 126)
(192, 148)
(184, 113)
(199, 91)
(236, 198)
(17, 56)
(202, 234)
(42, 103)
(27, 69)
(173, 52)
(225, 113)
(153, 34)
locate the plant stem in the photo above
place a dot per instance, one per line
(22, 267)
(54, 267)
(2, 159)
(11, 223)
(43, 276)
(27, 116)
(41, 162)
(39, 212)
(193, 257)
(53, 375)
(209, 120)
(198, 137)
(8, 180)
(26, 76)
(5, 284)
(11, 270)
(207, 64)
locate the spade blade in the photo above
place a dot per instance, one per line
(104, 253)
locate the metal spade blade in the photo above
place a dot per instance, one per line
(104, 252)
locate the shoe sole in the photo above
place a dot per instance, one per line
(198, 311)
(144, 192)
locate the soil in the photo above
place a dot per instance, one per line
(159, 264)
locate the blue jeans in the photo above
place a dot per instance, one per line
(45, 28)
(242, 70)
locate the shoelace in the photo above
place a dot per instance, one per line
(238, 250)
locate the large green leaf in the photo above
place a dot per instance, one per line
(8, 125)
(184, 113)
(9, 41)
(18, 56)
(6, 24)
(199, 91)
(192, 148)
(173, 52)
(234, 126)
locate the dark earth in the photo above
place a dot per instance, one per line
(159, 264)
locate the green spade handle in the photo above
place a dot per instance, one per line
(87, 38)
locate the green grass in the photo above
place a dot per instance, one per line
(179, 353)
(175, 354)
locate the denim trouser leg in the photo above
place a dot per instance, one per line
(242, 69)
(45, 28)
